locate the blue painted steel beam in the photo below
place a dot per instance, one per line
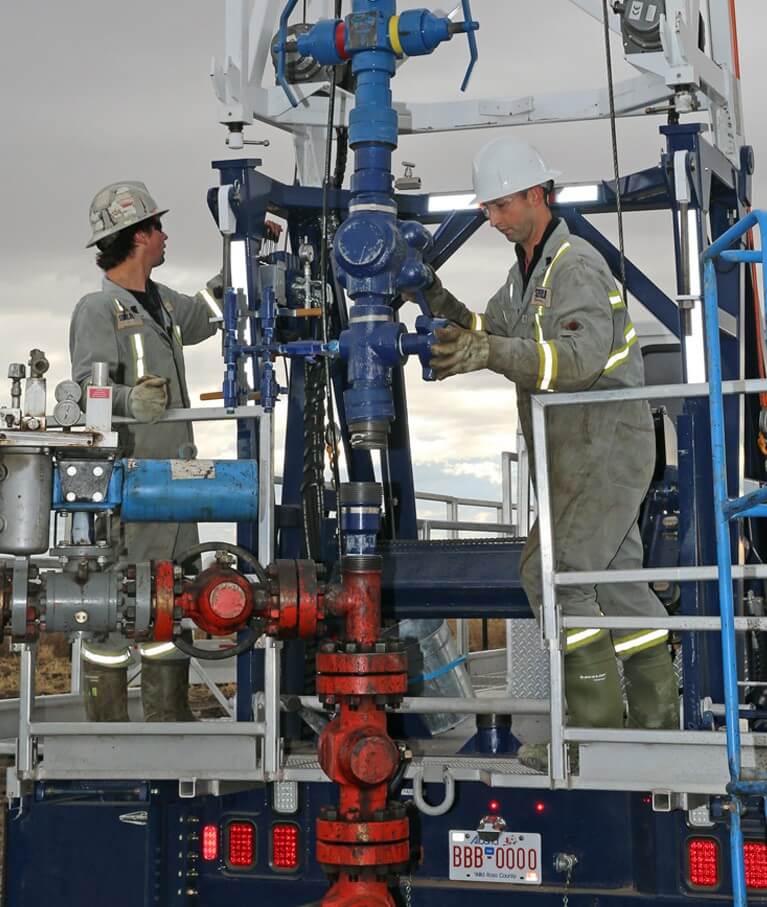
(649, 294)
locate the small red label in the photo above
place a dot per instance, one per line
(99, 393)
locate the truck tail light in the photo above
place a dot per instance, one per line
(285, 839)
(703, 862)
(241, 844)
(755, 858)
(210, 842)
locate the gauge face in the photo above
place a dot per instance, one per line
(641, 19)
(644, 15)
(66, 413)
(68, 390)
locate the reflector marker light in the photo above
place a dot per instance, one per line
(241, 844)
(755, 858)
(703, 859)
(209, 842)
(284, 845)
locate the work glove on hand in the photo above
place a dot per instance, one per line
(215, 286)
(273, 230)
(149, 398)
(432, 290)
(459, 351)
(442, 303)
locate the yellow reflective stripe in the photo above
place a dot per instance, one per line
(616, 301)
(137, 342)
(560, 252)
(642, 640)
(396, 46)
(477, 322)
(549, 365)
(109, 661)
(547, 353)
(577, 638)
(157, 650)
(211, 302)
(620, 355)
(177, 332)
(120, 307)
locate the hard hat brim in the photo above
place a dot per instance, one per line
(550, 176)
(95, 239)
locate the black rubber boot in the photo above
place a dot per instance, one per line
(594, 699)
(165, 689)
(593, 686)
(651, 689)
(105, 692)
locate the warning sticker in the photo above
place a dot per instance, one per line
(192, 469)
(99, 393)
(637, 8)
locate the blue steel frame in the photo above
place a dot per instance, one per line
(726, 510)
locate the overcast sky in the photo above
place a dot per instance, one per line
(96, 92)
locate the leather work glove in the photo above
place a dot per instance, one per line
(273, 230)
(149, 398)
(215, 286)
(459, 351)
(432, 290)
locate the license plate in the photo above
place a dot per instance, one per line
(514, 859)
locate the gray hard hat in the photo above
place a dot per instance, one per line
(120, 205)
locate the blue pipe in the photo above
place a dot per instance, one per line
(190, 491)
(724, 561)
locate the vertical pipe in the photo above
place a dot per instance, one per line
(724, 563)
(25, 756)
(549, 621)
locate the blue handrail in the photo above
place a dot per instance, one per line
(726, 510)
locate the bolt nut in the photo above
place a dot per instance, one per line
(71, 497)
(98, 471)
(97, 497)
(81, 617)
(71, 470)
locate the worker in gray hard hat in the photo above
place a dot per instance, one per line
(559, 323)
(139, 328)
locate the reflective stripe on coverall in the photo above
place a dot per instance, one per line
(569, 330)
(112, 326)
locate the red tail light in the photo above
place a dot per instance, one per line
(241, 844)
(210, 842)
(755, 858)
(285, 839)
(703, 862)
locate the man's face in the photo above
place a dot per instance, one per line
(513, 215)
(156, 243)
(151, 240)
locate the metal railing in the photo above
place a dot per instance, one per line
(754, 504)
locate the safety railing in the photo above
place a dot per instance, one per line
(753, 504)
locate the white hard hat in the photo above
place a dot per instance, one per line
(508, 165)
(120, 205)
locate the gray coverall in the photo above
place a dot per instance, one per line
(112, 326)
(570, 331)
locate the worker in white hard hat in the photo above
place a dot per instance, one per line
(559, 323)
(140, 328)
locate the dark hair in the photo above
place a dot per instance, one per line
(115, 249)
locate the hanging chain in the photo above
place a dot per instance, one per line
(568, 879)
(406, 884)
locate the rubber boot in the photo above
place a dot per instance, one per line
(594, 699)
(165, 689)
(651, 689)
(105, 692)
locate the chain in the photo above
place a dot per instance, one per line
(566, 896)
(406, 883)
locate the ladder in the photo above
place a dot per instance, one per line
(753, 504)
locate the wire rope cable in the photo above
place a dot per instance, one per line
(614, 137)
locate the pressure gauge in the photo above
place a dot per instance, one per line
(66, 412)
(68, 391)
